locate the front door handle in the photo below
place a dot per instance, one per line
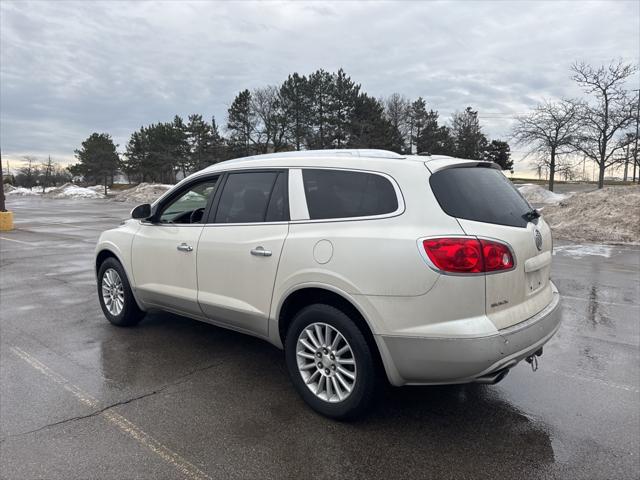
(261, 252)
(183, 247)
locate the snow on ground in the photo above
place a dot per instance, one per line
(609, 215)
(535, 194)
(11, 190)
(143, 193)
(579, 251)
(69, 190)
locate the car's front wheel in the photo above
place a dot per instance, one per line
(116, 298)
(330, 362)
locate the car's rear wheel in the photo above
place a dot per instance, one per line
(330, 362)
(116, 298)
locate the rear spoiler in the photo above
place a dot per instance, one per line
(437, 163)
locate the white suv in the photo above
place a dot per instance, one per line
(431, 269)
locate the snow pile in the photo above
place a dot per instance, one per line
(143, 193)
(98, 188)
(11, 190)
(609, 215)
(535, 194)
(69, 190)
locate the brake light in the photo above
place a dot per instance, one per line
(468, 255)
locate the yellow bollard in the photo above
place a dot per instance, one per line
(6, 221)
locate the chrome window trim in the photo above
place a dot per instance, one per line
(399, 198)
(298, 207)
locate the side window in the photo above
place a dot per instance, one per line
(344, 194)
(246, 197)
(189, 206)
(278, 209)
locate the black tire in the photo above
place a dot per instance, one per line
(131, 313)
(363, 390)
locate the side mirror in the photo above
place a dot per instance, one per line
(141, 211)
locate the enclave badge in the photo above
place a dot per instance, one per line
(538, 238)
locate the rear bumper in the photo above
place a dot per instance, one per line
(432, 361)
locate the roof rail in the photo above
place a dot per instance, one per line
(353, 152)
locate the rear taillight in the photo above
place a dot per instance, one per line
(468, 255)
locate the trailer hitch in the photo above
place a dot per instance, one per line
(533, 359)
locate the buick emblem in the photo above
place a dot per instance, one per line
(538, 238)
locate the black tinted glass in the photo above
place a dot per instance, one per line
(480, 194)
(343, 194)
(278, 209)
(245, 197)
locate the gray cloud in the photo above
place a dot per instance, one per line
(70, 68)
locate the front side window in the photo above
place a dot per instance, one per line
(250, 197)
(189, 206)
(345, 194)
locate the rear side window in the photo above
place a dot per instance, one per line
(479, 194)
(344, 194)
(246, 196)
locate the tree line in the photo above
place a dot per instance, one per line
(601, 127)
(322, 110)
(38, 174)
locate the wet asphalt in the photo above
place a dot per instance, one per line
(174, 398)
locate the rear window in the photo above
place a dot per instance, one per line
(344, 194)
(480, 194)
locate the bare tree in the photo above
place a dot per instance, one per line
(47, 171)
(28, 174)
(604, 120)
(549, 131)
(397, 110)
(271, 127)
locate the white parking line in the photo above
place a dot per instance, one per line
(182, 465)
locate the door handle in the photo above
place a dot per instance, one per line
(183, 247)
(261, 252)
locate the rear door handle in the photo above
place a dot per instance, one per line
(183, 247)
(261, 252)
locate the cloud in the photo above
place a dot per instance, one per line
(70, 68)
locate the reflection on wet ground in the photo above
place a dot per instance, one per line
(203, 402)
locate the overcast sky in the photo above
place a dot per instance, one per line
(72, 68)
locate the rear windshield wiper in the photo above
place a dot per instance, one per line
(531, 215)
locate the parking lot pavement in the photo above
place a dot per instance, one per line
(174, 398)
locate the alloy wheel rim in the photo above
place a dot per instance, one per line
(326, 362)
(112, 292)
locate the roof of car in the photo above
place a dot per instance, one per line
(347, 157)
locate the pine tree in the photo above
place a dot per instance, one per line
(469, 140)
(369, 127)
(217, 143)
(499, 152)
(135, 155)
(342, 103)
(435, 139)
(241, 124)
(417, 120)
(98, 159)
(320, 86)
(181, 147)
(200, 140)
(296, 107)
